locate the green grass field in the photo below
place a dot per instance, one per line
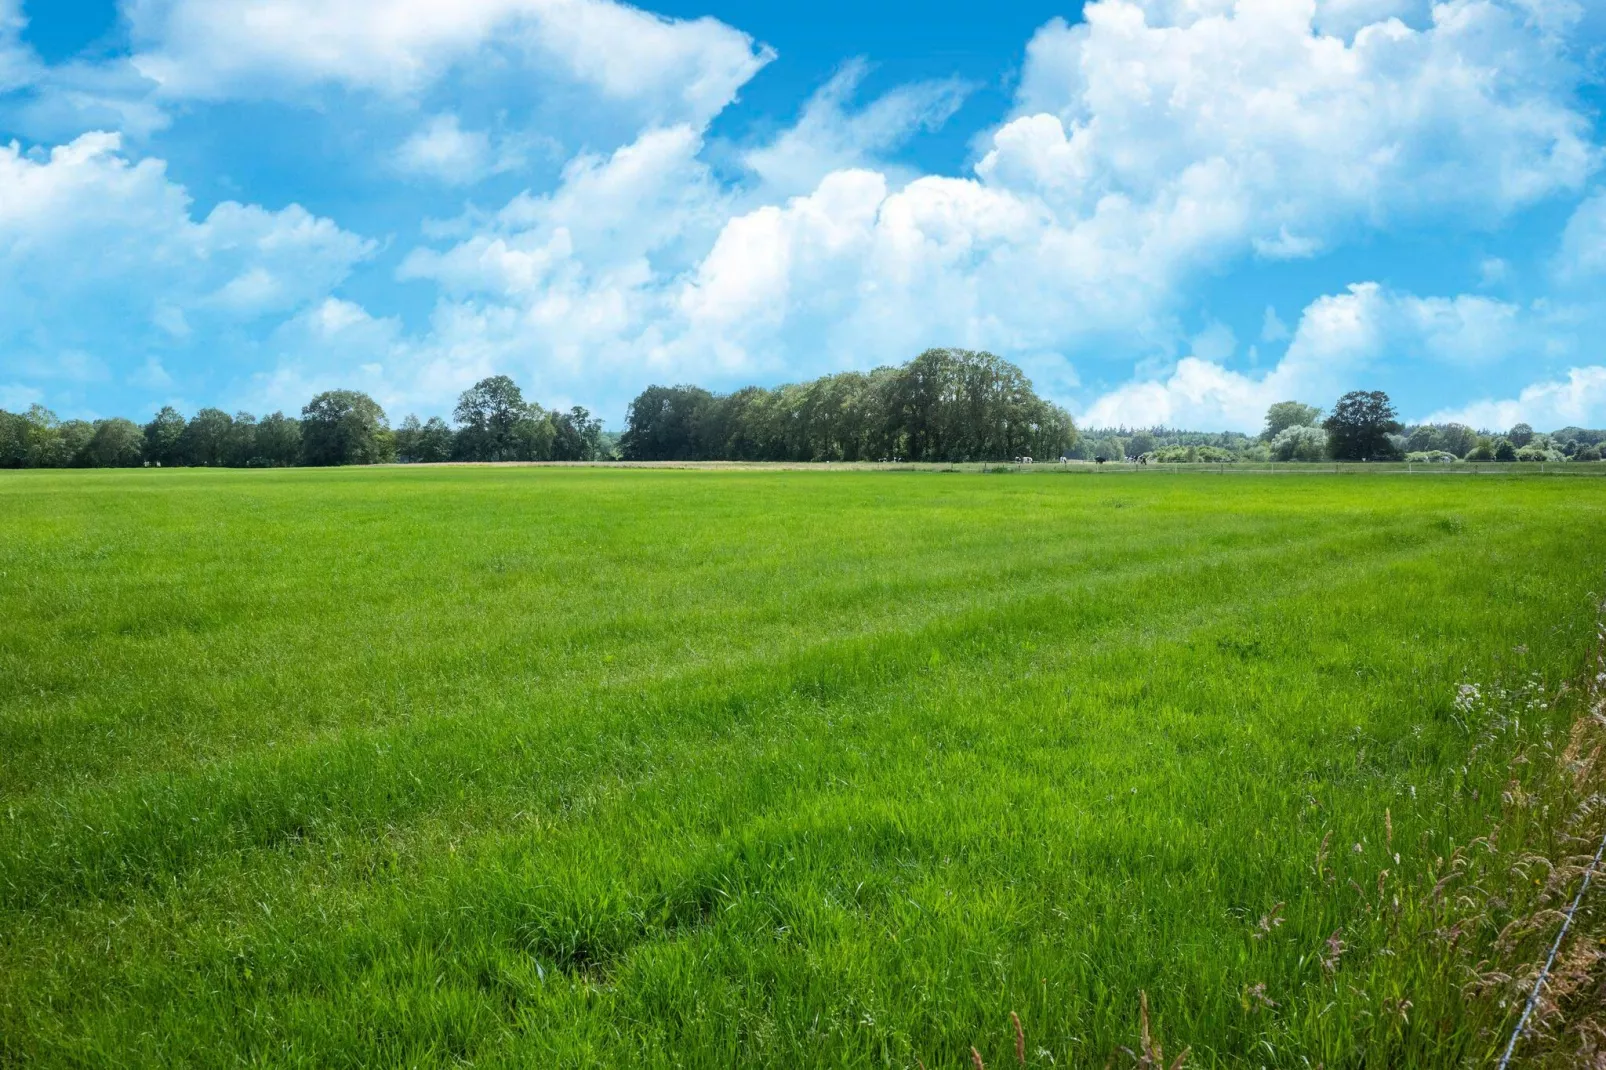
(536, 767)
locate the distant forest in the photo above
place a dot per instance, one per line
(946, 405)
(1361, 427)
(491, 422)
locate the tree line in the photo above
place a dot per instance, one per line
(491, 422)
(1362, 426)
(944, 405)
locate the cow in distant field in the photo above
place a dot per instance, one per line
(1100, 460)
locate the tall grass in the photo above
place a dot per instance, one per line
(580, 767)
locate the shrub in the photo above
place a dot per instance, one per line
(1302, 443)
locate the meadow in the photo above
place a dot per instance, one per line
(583, 767)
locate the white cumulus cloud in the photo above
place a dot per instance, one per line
(688, 69)
(1577, 400)
(1340, 337)
(1152, 145)
(1307, 134)
(100, 254)
(441, 149)
(1156, 145)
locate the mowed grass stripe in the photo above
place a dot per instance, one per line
(280, 666)
(467, 960)
(856, 852)
(91, 842)
(282, 645)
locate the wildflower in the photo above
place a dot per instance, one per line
(1255, 998)
(1335, 951)
(1269, 922)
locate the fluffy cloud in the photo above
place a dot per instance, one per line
(572, 282)
(1153, 144)
(1338, 18)
(1577, 400)
(218, 48)
(609, 214)
(1339, 337)
(86, 228)
(443, 150)
(241, 259)
(1158, 144)
(830, 136)
(1307, 134)
(333, 344)
(1343, 18)
(1146, 153)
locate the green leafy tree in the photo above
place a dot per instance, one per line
(75, 437)
(240, 450)
(1142, 442)
(1286, 414)
(1299, 443)
(43, 446)
(407, 438)
(424, 443)
(945, 405)
(1111, 448)
(960, 405)
(13, 439)
(495, 423)
(1458, 439)
(116, 443)
(1504, 450)
(1521, 435)
(164, 437)
(666, 423)
(278, 440)
(434, 442)
(345, 427)
(1424, 438)
(1572, 439)
(206, 438)
(1360, 426)
(576, 435)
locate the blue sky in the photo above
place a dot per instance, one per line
(1172, 211)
